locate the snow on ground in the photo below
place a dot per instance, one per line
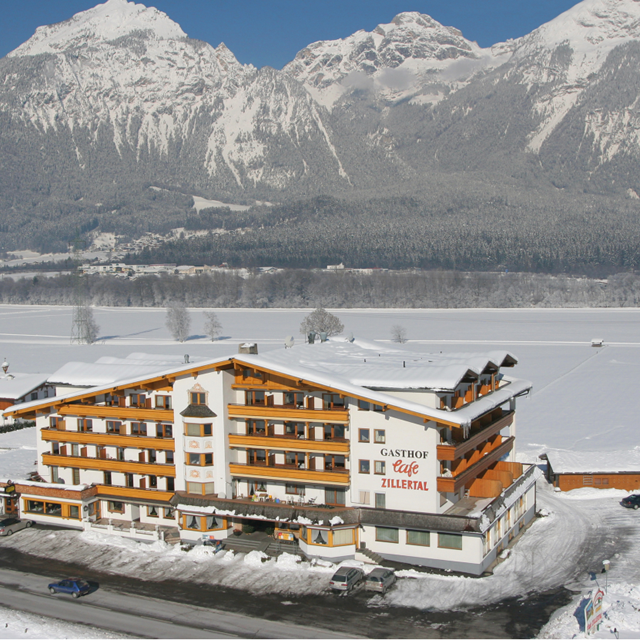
(18, 455)
(17, 624)
(557, 549)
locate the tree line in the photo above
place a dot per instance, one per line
(296, 288)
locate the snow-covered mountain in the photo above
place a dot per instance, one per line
(116, 98)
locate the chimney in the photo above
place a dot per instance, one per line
(248, 348)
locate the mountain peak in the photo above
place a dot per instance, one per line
(105, 22)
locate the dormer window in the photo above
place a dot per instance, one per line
(198, 398)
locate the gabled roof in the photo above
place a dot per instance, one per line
(15, 386)
(361, 370)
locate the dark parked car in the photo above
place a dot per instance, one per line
(74, 586)
(11, 525)
(631, 502)
(345, 578)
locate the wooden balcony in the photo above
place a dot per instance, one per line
(108, 464)
(134, 493)
(108, 439)
(262, 412)
(458, 450)
(283, 443)
(139, 414)
(289, 474)
(455, 483)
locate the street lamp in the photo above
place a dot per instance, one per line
(606, 564)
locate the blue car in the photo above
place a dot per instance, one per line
(73, 586)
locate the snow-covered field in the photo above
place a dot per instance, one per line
(583, 400)
(18, 624)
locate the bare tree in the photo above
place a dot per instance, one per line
(84, 328)
(212, 326)
(321, 321)
(398, 333)
(178, 321)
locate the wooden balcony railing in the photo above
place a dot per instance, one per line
(339, 416)
(134, 493)
(458, 450)
(108, 464)
(283, 443)
(108, 439)
(289, 473)
(455, 483)
(117, 413)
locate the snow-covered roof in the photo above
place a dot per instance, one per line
(377, 366)
(109, 370)
(358, 369)
(564, 461)
(16, 385)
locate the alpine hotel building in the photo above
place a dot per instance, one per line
(347, 448)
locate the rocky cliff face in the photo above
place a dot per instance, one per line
(96, 109)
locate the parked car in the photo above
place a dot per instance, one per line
(346, 578)
(11, 525)
(74, 586)
(380, 580)
(632, 501)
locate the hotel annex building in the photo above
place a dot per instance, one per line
(347, 448)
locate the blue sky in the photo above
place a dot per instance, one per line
(271, 32)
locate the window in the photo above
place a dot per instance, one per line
(255, 398)
(319, 536)
(56, 422)
(334, 496)
(293, 399)
(450, 541)
(422, 538)
(128, 479)
(386, 534)
(200, 459)
(198, 430)
(332, 401)
(168, 513)
(171, 484)
(342, 537)
(363, 405)
(76, 476)
(113, 426)
(74, 511)
(380, 467)
(85, 424)
(34, 506)
(381, 502)
(333, 431)
(163, 402)
(294, 489)
(293, 429)
(364, 435)
(169, 457)
(335, 463)
(137, 400)
(295, 459)
(107, 478)
(164, 431)
(378, 407)
(193, 522)
(153, 482)
(198, 398)
(194, 487)
(34, 396)
(54, 474)
(364, 497)
(115, 507)
(120, 454)
(364, 466)
(152, 512)
(213, 523)
(379, 436)
(208, 488)
(138, 428)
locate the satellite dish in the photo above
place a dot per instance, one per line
(289, 342)
(350, 337)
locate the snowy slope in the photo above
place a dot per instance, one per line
(395, 59)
